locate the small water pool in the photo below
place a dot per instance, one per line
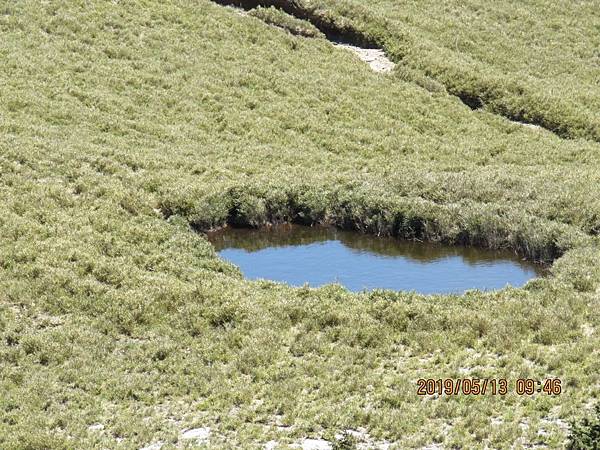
(297, 255)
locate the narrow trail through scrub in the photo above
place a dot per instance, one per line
(353, 40)
(349, 40)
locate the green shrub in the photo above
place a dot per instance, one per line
(585, 435)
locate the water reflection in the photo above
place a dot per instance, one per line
(319, 255)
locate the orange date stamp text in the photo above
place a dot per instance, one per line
(487, 386)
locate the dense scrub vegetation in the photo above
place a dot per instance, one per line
(125, 127)
(277, 17)
(533, 61)
(585, 435)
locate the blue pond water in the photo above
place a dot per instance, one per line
(315, 255)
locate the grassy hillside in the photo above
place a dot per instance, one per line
(127, 126)
(535, 61)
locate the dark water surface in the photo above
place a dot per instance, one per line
(297, 255)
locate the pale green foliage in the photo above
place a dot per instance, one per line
(121, 123)
(534, 61)
(277, 17)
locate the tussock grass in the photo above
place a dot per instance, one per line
(125, 125)
(277, 17)
(509, 58)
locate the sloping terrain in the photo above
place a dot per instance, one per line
(533, 61)
(127, 127)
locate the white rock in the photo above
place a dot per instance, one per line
(315, 444)
(433, 447)
(200, 434)
(561, 424)
(271, 445)
(375, 58)
(156, 446)
(96, 427)
(383, 445)
(497, 421)
(361, 433)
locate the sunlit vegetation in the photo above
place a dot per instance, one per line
(585, 435)
(277, 17)
(127, 127)
(533, 61)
